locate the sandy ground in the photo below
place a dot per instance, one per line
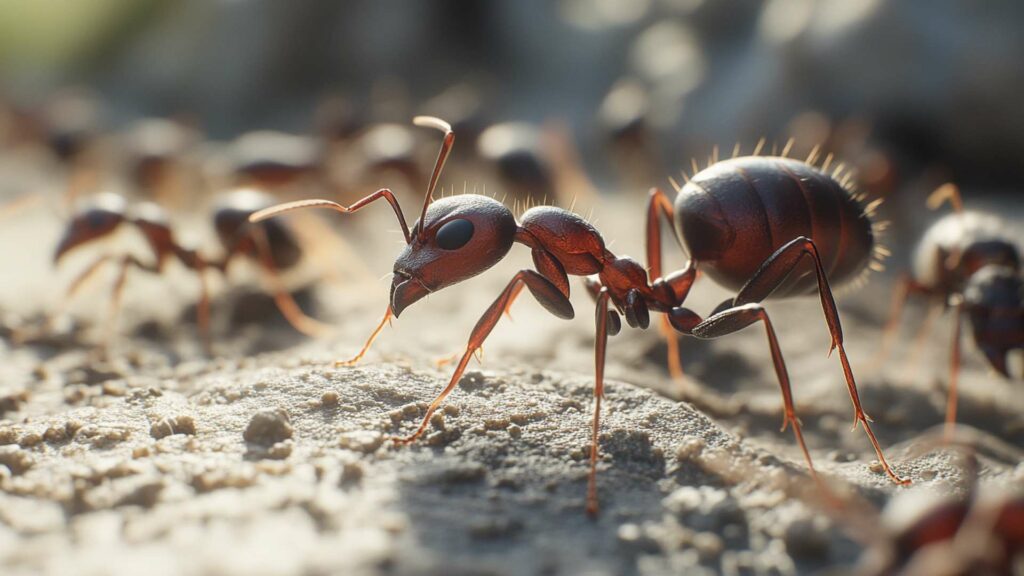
(266, 460)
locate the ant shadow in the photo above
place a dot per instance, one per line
(481, 500)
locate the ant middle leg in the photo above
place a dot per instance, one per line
(773, 272)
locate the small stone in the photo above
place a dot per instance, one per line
(16, 460)
(451, 410)
(30, 439)
(281, 450)
(8, 436)
(55, 434)
(515, 431)
(351, 473)
(114, 388)
(437, 421)
(267, 427)
(329, 398)
(182, 424)
(806, 541)
(708, 545)
(361, 441)
(140, 452)
(876, 467)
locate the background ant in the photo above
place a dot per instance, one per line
(968, 261)
(766, 226)
(272, 245)
(930, 533)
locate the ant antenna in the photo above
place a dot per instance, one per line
(442, 156)
(948, 192)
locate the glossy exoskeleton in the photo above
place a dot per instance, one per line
(967, 260)
(721, 215)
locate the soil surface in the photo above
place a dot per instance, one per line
(265, 459)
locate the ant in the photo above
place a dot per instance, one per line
(966, 260)
(272, 244)
(927, 533)
(749, 221)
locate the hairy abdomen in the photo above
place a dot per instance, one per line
(736, 213)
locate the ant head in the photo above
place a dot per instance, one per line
(460, 237)
(995, 300)
(454, 238)
(96, 220)
(231, 220)
(988, 252)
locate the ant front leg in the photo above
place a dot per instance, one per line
(282, 297)
(601, 317)
(386, 319)
(773, 272)
(544, 291)
(117, 292)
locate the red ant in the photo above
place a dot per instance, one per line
(271, 244)
(966, 260)
(928, 533)
(750, 222)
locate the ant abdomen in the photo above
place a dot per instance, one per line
(733, 215)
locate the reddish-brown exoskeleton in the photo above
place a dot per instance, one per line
(966, 260)
(458, 237)
(930, 533)
(272, 245)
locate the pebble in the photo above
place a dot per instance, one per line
(267, 427)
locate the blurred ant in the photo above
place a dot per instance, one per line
(750, 222)
(272, 245)
(968, 261)
(925, 533)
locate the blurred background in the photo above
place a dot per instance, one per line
(899, 89)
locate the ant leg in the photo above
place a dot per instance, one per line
(600, 346)
(543, 290)
(935, 309)
(658, 204)
(83, 277)
(117, 292)
(203, 307)
(774, 272)
(18, 204)
(739, 317)
(904, 288)
(954, 373)
(369, 341)
(285, 303)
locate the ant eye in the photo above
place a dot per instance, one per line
(454, 234)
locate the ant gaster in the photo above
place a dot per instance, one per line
(458, 237)
(967, 260)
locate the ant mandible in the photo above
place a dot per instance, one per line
(742, 243)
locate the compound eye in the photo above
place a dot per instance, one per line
(454, 235)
